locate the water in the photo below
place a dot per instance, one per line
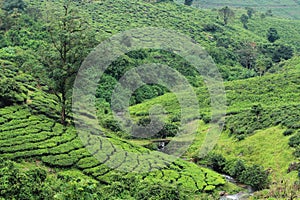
(238, 196)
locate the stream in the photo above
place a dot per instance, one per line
(240, 195)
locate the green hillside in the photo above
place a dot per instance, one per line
(28, 132)
(43, 154)
(287, 8)
(261, 111)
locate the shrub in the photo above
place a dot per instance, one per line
(211, 28)
(255, 176)
(272, 35)
(112, 125)
(216, 162)
(206, 119)
(158, 191)
(11, 92)
(295, 140)
(169, 130)
(296, 153)
(241, 137)
(288, 132)
(235, 168)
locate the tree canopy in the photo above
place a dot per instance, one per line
(226, 14)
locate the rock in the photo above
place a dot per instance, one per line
(293, 166)
(222, 193)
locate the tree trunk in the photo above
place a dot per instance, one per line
(63, 115)
(63, 110)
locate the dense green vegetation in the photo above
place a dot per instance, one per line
(253, 104)
(30, 132)
(286, 8)
(42, 156)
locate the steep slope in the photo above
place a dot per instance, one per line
(30, 131)
(222, 42)
(287, 8)
(266, 104)
(29, 127)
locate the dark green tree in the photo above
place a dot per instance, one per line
(295, 140)
(216, 161)
(262, 64)
(70, 39)
(269, 13)
(11, 92)
(272, 35)
(250, 12)
(11, 5)
(16, 184)
(247, 54)
(188, 2)
(226, 14)
(235, 168)
(257, 110)
(282, 52)
(255, 176)
(244, 19)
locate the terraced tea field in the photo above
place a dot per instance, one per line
(286, 8)
(23, 136)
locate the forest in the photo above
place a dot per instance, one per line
(149, 99)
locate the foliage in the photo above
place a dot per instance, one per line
(235, 168)
(244, 19)
(188, 2)
(11, 92)
(250, 12)
(255, 176)
(288, 132)
(272, 35)
(216, 161)
(282, 189)
(11, 5)
(31, 131)
(296, 153)
(36, 137)
(282, 52)
(284, 9)
(295, 140)
(159, 191)
(69, 38)
(226, 14)
(16, 184)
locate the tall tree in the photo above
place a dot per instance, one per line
(272, 35)
(250, 12)
(188, 2)
(262, 64)
(247, 54)
(226, 14)
(269, 13)
(10, 13)
(70, 40)
(11, 5)
(282, 52)
(244, 19)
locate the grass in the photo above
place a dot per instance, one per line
(37, 137)
(41, 137)
(264, 143)
(268, 148)
(64, 150)
(286, 8)
(273, 90)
